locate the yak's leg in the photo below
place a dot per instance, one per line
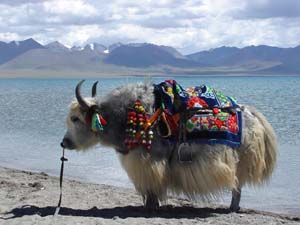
(152, 202)
(235, 201)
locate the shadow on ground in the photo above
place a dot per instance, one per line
(166, 212)
(121, 212)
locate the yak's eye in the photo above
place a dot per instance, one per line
(74, 119)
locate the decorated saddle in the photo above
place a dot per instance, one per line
(198, 114)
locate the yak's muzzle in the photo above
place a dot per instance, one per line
(67, 143)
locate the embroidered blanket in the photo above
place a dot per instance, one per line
(216, 118)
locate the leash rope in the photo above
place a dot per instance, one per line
(63, 159)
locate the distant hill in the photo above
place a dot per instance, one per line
(100, 49)
(274, 58)
(57, 46)
(146, 55)
(12, 49)
(144, 58)
(215, 56)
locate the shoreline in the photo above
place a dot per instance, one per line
(31, 198)
(88, 75)
(145, 76)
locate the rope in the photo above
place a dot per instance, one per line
(63, 159)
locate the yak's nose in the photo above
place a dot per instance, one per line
(66, 143)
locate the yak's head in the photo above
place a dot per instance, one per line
(80, 134)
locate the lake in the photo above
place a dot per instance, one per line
(32, 124)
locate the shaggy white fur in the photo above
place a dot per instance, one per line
(215, 168)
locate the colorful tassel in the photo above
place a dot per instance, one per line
(97, 125)
(138, 131)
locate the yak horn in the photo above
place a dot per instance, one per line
(80, 100)
(94, 89)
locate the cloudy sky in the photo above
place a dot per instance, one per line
(188, 25)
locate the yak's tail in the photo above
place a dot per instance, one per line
(270, 143)
(257, 158)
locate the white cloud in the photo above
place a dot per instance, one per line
(189, 25)
(7, 36)
(268, 9)
(20, 2)
(71, 7)
(81, 35)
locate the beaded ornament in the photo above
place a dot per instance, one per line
(138, 130)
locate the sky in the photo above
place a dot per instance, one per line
(187, 25)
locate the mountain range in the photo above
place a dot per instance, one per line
(29, 57)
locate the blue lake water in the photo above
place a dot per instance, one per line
(32, 124)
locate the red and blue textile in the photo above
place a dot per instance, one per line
(221, 123)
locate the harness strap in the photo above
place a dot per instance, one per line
(63, 159)
(153, 118)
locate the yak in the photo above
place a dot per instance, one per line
(214, 168)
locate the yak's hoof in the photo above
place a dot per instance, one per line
(234, 208)
(152, 203)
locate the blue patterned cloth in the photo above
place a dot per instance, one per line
(223, 125)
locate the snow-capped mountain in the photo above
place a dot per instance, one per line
(57, 46)
(96, 47)
(94, 57)
(77, 48)
(12, 49)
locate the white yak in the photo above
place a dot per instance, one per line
(213, 170)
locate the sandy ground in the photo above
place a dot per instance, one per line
(31, 198)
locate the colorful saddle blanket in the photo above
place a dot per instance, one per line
(216, 118)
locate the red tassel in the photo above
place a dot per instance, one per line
(103, 121)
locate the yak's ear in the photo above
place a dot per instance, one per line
(79, 98)
(94, 89)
